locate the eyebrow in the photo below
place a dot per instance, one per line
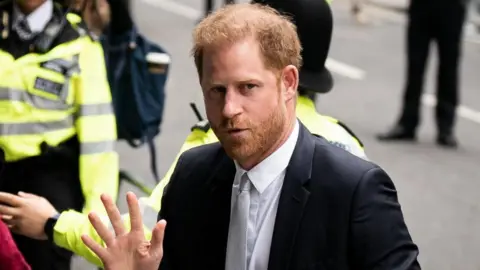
(250, 81)
(247, 81)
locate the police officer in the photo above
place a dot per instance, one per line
(440, 21)
(314, 78)
(57, 128)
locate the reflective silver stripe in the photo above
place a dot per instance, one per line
(34, 128)
(97, 147)
(66, 67)
(63, 66)
(95, 109)
(10, 94)
(70, 65)
(34, 100)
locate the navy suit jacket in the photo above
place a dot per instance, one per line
(336, 212)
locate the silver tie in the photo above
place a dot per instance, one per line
(23, 29)
(237, 234)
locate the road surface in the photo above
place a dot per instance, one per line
(438, 188)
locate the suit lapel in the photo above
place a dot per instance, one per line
(293, 199)
(217, 211)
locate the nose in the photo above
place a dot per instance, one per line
(232, 105)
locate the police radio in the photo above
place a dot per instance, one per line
(195, 111)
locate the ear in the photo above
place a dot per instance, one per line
(290, 80)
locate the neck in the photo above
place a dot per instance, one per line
(27, 7)
(253, 161)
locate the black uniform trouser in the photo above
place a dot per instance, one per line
(56, 179)
(444, 26)
(209, 5)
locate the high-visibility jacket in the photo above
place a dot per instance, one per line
(71, 225)
(56, 96)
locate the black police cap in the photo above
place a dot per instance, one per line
(314, 22)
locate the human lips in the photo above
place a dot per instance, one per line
(235, 130)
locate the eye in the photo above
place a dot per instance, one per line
(218, 89)
(249, 86)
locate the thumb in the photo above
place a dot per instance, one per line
(156, 247)
(27, 195)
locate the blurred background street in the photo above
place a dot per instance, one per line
(438, 188)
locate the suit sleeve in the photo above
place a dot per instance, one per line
(379, 236)
(168, 260)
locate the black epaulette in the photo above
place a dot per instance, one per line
(350, 132)
(4, 24)
(202, 125)
(5, 19)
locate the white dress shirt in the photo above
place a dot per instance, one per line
(267, 180)
(38, 19)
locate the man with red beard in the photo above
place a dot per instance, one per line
(270, 195)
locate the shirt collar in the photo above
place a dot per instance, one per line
(38, 19)
(270, 168)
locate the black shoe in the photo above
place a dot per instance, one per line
(397, 133)
(447, 140)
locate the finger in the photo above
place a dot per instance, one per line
(13, 228)
(8, 210)
(113, 214)
(95, 247)
(9, 220)
(136, 222)
(102, 230)
(10, 199)
(27, 195)
(7, 217)
(156, 247)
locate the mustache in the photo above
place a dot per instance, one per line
(234, 123)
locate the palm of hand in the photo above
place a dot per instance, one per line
(126, 251)
(131, 252)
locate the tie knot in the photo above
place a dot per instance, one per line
(245, 183)
(23, 29)
(23, 23)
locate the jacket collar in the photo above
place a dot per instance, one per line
(38, 19)
(293, 198)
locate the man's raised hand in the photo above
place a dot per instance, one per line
(126, 250)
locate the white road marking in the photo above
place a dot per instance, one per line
(333, 65)
(345, 69)
(463, 111)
